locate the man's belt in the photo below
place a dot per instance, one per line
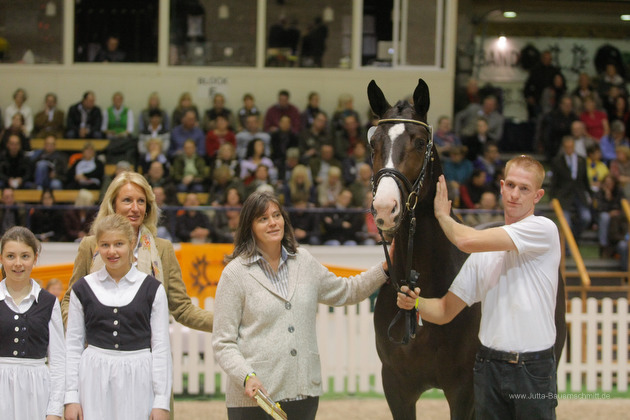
(514, 357)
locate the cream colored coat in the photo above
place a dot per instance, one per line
(257, 330)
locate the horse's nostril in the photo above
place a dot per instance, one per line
(395, 208)
(380, 222)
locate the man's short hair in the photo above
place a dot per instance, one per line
(529, 164)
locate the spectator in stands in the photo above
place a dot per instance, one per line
(466, 120)
(369, 234)
(77, 221)
(190, 171)
(608, 209)
(121, 166)
(581, 138)
(550, 98)
(260, 181)
(609, 143)
(570, 186)
(312, 138)
(222, 180)
(153, 107)
(154, 129)
(225, 220)
(310, 111)
(328, 191)
(281, 140)
(457, 169)
(583, 89)
(609, 101)
(444, 137)
(16, 129)
(341, 227)
(15, 167)
(620, 111)
(620, 168)
(321, 164)
(19, 106)
(118, 126)
(218, 109)
(85, 119)
(306, 224)
(345, 108)
(50, 120)
(111, 53)
(540, 76)
(361, 185)
(187, 130)
(595, 121)
(282, 107)
(184, 105)
(489, 211)
(86, 172)
(155, 153)
(156, 175)
(467, 95)
(350, 165)
(47, 222)
(299, 188)
(290, 162)
(226, 156)
(55, 287)
(248, 108)
(596, 170)
(220, 134)
(611, 78)
(348, 137)
(555, 125)
(50, 165)
(11, 214)
(250, 132)
(256, 156)
(474, 143)
(193, 225)
(490, 161)
(118, 120)
(470, 192)
(166, 221)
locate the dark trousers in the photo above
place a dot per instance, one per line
(523, 390)
(299, 410)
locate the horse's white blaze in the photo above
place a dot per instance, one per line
(387, 201)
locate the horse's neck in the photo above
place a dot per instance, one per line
(435, 258)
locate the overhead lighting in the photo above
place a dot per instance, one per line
(625, 18)
(509, 14)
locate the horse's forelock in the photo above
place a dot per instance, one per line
(403, 109)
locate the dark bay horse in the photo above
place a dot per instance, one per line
(407, 168)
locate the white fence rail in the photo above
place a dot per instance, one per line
(595, 355)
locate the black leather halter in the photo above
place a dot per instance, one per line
(413, 192)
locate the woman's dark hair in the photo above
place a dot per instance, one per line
(44, 191)
(255, 206)
(251, 146)
(22, 234)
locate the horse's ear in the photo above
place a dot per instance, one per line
(378, 103)
(421, 100)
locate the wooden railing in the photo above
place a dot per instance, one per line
(68, 196)
(71, 145)
(567, 239)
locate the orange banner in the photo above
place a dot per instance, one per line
(201, 265)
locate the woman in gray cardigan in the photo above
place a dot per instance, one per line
(264, 325)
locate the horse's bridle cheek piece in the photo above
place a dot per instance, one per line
(413, 195)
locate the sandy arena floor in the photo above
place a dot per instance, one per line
(376, 409)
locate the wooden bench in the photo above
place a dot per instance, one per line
(203, 198)
(71, 145)
(61, 196)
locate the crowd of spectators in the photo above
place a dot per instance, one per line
(313, 159)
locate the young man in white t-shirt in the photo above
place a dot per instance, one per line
(513, 272)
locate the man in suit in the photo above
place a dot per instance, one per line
(570, 186)
(50, 120)
(85, 119)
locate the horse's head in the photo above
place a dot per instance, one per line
(401, 146)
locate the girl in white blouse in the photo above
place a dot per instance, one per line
(125, 372)
(31, 331)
